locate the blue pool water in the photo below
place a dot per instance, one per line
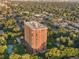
(10, 49)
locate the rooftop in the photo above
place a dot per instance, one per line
(1, 32)
(35, 25)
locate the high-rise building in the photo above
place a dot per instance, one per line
(35, 36)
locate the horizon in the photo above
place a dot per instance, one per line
(46, 0)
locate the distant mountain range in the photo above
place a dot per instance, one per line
(47, 0)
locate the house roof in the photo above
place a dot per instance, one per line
(1, 32)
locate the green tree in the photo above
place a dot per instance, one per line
(26, 56)
(2, 49)
(14, 56)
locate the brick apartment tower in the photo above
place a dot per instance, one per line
(35, 36)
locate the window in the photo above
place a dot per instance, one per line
(36, 40)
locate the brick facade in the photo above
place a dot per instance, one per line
(36, 38)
